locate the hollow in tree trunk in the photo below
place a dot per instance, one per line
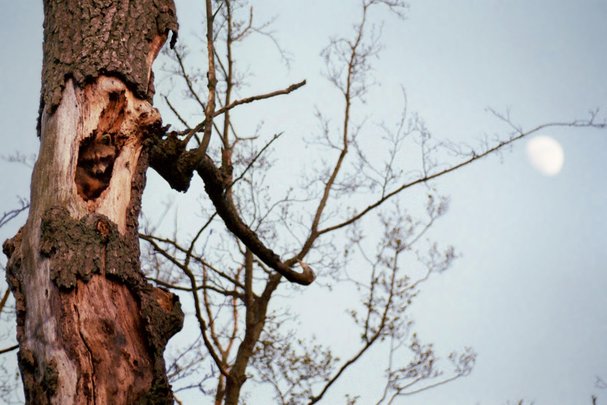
(91, 330)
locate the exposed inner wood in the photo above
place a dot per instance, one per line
(98, 152)
(90, 328)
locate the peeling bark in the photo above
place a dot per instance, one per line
(90, 329)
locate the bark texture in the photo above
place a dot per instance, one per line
(86, 39)
(91, 330)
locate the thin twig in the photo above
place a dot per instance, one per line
(9, 349)
(245, 100)
(4, 299)
(174, 110)
(255, 158)
(474, 157)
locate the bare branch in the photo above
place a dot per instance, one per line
(215, 188)
(186, 77)
(197, 306)
(9, 349)
(174, 110)
(246, 100)
(7, 216)
(255, 158)
(474, 157)
(4, 299)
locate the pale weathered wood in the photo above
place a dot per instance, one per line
(86, 313)
(90, 329)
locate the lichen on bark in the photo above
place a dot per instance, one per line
(76, 248)
(91, 329)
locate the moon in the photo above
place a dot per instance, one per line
(545, 154)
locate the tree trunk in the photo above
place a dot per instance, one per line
(90, 329)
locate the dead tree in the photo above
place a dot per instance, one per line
(90, 328)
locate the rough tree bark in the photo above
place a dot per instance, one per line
(90, 329)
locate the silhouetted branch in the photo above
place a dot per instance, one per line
(236, 103)
(9, 349)
(474, 157)
(7, 216)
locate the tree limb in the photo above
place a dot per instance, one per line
(474, 157)
(9, 349)
(245, 100)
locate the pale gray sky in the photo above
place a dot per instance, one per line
(528, 293)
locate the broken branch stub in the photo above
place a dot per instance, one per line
(176, 165)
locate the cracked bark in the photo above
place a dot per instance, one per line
(90, 329)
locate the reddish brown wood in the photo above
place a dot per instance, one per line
(91, 330)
